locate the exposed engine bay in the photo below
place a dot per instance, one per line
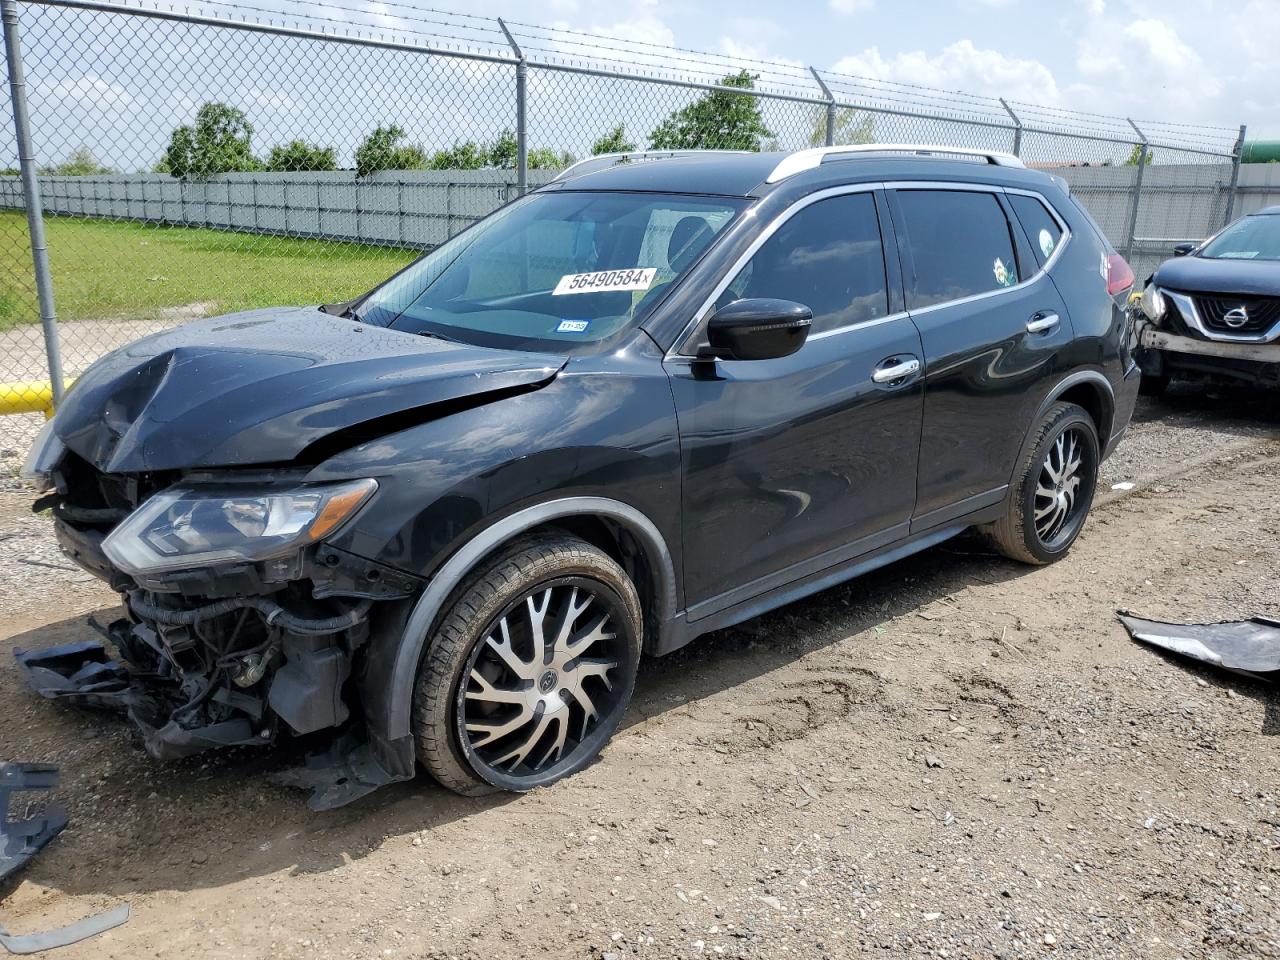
(240, 656)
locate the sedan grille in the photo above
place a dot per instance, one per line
(1247, 315)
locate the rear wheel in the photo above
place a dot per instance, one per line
(531, 669)
(1053, 489)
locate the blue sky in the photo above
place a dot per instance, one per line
(121, 84)
(1195, 61)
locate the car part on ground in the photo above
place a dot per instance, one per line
(81, 930)
(79, 673)
(20, 840)
(697, 391)
(1250, 647)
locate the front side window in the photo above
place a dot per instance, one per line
(1250, 238)
(958, 245)
(828, 257)
(554, 270)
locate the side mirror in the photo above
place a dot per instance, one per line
(1182, 249)
(758, 329)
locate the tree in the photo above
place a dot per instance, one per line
(219, 142)
(1136, 154)
(849, 127)
(467, 155)
(300, 155)
(545, 158)
(504, 153)
(383, 150)
(718, 119)
(80, 163)
(615, 141)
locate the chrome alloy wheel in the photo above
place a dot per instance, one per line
(1058, 490)
(538, 682)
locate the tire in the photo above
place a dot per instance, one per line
(469, 688)
(1152, 386)
(1020, 534)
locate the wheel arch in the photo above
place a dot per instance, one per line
(1087, 388)
(618, 528)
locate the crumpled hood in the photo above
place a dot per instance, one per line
(1201, 275)
(259, 387)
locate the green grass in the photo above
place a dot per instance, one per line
(110, 270)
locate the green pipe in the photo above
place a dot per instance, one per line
(1261, 151)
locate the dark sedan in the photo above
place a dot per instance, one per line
(1214, 310)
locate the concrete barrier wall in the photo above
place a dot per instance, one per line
(412, 208)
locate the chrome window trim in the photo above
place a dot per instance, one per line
(1187, 307)
(701, 315)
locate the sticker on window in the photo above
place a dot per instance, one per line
(573, 326)
(606, 281)
(1046, 243)
(1004, 276)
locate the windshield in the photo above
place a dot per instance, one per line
(1250, 238)
(553, 270)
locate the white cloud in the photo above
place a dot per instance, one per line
(960, 66)
(850, 6)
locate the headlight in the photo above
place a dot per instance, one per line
(1153, 304)
(44, 455)
(199, 526)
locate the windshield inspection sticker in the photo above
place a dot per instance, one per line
(637, 278)
(573, 326)
(1046, 243)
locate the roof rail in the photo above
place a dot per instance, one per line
(803, 160)
(603, 160)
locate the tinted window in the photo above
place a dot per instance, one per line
(1042, 230)
(958, 245)
(828, 257)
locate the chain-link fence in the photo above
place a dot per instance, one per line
(199, 162)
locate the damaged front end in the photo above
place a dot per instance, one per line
(242, 625)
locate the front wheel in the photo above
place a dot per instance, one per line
(531, 668)
(1053, 489)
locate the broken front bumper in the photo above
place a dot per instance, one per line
(1162, 353)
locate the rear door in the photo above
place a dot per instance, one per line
(794, 464)
(992, 327)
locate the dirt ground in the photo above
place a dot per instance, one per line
(953, 757)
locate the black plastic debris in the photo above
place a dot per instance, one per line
(65, 936)
(80, 673)
(347, 771)
(20, 840)
(1250, 647)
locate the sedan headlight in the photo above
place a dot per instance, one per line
(1153, 304)
(200, 526)
(44, 455)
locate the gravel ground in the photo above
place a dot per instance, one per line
(953, 757)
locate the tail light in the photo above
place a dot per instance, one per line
(1119, 274)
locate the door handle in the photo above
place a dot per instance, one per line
(1042, 323)
(895, 368)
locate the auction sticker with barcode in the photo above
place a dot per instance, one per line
(637, 278)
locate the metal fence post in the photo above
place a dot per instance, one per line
(1137, 192)
(1017, 127)
(831, 107)
(522, 129)
(1236, 156)
(31, 197)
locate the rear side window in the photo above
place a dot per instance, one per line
(828, 257)
(958, 245)
(1038, 223)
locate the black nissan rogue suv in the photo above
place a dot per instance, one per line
(652, 399)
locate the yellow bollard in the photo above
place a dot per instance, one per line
(30, 396)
